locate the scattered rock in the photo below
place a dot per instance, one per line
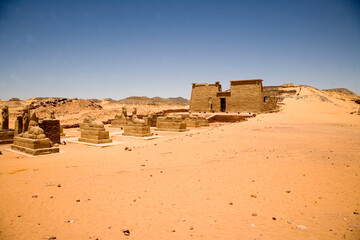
(254, 214)
(51, 238)
(230, 203)
(34, 196)
(173, 230)
(78, 200)
(191, 228)
(274, 218)
(126, 232)
(289, 221)
(19, 215)
(356, 213)
(288, 191)
(59, 185)
(70, 221)
(253, 196)
(301, 227)
(253, 225)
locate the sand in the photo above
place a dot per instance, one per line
(259, 179)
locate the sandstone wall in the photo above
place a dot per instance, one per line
(51, 129)
(246, 96)
(200, 94)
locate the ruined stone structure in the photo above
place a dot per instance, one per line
(95, 133)
(151, 119)
(171, 122)
(52, 117)
(5, 118)
(25, 118)
(195, 120)
(18, 125)
(86, 122)
(134, 112)
(243, 96)
(33, 141)
(120, 120)
(6, 134)
(51, 129)
(137, 128)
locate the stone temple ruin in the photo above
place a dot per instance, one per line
(136, 127)
(94, 132)
(172, 123)
(51, 128)
(85, 123)
(32, 139)
(120, 120)
(6, 134)
(243, 96)
(195, 120)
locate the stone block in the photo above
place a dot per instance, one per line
(51, 129)
(171, 124)
(34, 146)
(6, 136)
(137, 130)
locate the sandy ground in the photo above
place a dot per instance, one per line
(258, 179)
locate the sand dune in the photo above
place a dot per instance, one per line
(265, 178)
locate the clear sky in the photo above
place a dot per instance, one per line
(116, 49)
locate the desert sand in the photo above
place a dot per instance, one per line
(265, 178)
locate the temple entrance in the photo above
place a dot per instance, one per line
(222, 104)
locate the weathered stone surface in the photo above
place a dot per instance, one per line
(119, 123)
(151, 119)
(33, 141)
(6, 136)
(196, 121)
(120, 120)
(5, 118)
(243, 96)
(62, 134)
(18, 125)
(173, 123)
(34, 146)
(192, 122)
(137, 130)
(51, 129)
(26, 118)
(86, 122)
(95, 133)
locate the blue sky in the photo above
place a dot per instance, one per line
(116, 49)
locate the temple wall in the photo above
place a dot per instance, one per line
(246, 96)
(200, 94)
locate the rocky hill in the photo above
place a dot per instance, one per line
(155, 101)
